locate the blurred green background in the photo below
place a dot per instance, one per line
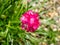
(10, 25)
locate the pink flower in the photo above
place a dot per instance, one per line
(30, 21)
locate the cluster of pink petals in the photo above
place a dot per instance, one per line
(30, 21)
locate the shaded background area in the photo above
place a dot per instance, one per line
(10, 25)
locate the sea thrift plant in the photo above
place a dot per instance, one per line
(30, 21)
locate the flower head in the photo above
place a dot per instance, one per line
(30, 21)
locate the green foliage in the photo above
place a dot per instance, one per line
(10, 30)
